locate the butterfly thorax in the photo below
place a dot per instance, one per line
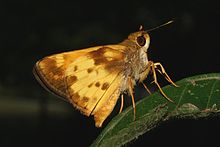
(136, 61)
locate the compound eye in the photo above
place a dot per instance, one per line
(141, 40)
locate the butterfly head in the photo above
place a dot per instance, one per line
(141, 39)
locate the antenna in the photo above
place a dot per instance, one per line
(169, 22)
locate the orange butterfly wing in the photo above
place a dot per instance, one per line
(90, 79)
(50, 70)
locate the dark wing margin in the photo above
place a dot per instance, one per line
(46, 84)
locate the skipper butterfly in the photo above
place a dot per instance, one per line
(92, 79)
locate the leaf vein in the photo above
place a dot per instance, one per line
(181, 95)
(211, 92)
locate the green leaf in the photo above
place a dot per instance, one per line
(197, 96)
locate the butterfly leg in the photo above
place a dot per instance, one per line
(163, 72)
(144, 75)
(130, 88)
(122, 103)
(145, 86)
(152, 64)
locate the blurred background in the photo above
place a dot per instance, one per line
(30, 30)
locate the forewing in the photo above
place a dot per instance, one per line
(50, 71)
(92, 79)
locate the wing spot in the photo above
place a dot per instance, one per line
(105, 86)
(72, 80)
(90, 85)
(97, 84)
(109, 59)
(89, 70)
(75, 96)
(94, 99)
(75, 68)
(85, 99)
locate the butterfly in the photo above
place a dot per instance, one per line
(93, 79)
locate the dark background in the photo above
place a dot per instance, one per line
(30, 30)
